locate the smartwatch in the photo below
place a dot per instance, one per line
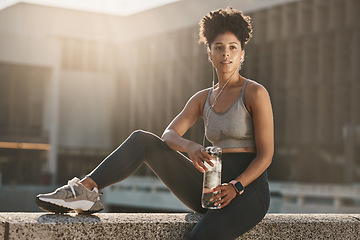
(237, 186)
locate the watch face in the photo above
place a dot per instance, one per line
(239, 186)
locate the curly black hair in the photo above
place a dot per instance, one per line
(223, 20)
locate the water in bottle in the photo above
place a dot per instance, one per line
(212, 178)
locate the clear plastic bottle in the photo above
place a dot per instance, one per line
(212, 178)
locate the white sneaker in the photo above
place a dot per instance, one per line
(71, 197)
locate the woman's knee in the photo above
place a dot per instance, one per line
(144, 137)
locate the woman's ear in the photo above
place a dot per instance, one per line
(209, 54)
(242, 56)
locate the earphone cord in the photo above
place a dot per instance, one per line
(215, 101)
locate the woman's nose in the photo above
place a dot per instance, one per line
(226, 53)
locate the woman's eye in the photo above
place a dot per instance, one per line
(232, 47)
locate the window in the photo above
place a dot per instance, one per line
(22, 98)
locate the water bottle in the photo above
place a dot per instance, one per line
(212, 178)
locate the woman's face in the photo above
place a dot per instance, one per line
(226, 53)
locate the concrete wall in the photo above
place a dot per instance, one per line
(170, 226)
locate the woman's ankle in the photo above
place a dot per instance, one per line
(89, 183)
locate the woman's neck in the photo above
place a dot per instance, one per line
(228, 79)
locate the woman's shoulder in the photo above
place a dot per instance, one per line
(255, 92)
(255, 88)
(201, 95)
(198, 100)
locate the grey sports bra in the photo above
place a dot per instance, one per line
(231, 129)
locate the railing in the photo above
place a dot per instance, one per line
(150, 192)
(327, 198)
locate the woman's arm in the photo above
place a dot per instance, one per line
(262, 115)
(172, 135)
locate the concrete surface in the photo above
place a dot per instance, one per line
(169, 226)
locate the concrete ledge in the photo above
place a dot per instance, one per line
(169, 226)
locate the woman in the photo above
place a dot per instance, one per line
(238, 118)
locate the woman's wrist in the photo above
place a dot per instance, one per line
(236, 191)
(238, 187)
(187, 144)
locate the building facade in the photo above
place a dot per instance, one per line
(74, 85)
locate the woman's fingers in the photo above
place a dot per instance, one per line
(220, 196)
(196, 164)
(199, 158)
(223, 201)
(203, 158)
(225, 195)
(206, 157)
(224, 204)
(200, 165)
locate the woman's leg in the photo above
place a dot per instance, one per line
(173, 168)
(244, 211)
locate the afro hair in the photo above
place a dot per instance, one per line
(224, 20)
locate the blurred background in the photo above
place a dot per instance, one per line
(77, 77)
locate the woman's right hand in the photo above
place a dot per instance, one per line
(198, 156)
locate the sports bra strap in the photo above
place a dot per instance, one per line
(208, 96)
(243, 90)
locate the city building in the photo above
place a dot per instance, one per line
(75, 83)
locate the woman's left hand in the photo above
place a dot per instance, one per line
(225, 195)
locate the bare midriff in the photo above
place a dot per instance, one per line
(241, 149)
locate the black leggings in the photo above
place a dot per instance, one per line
(185, 181)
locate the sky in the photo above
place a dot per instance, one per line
(114, 7)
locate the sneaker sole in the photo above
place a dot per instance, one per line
(50, 207)
(87, 212)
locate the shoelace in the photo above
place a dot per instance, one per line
(72, 183)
